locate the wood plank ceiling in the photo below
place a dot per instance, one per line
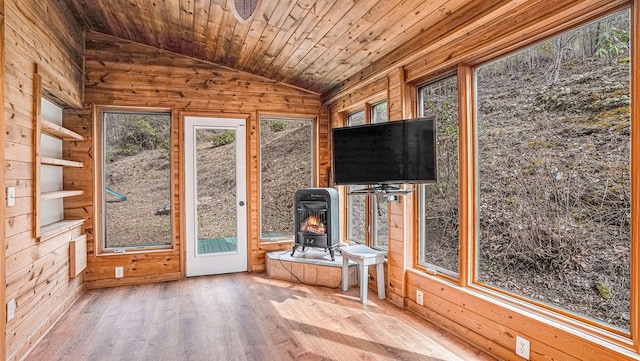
(311, 44)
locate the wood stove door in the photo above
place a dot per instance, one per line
(215, 195)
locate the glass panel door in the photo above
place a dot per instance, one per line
(215, 195)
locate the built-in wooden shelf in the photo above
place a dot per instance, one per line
(56, 228)
(60, 194)
(59, 131)
(69, 230)
(61, 162)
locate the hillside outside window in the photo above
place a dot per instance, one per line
(286, 165)
(136, 180)
(553, 130)
(438, 208)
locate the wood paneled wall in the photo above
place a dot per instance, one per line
(122, 73)
(470, 314)
(3, 269)
(37, 275)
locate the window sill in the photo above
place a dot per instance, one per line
(134, 250)
(56, 228)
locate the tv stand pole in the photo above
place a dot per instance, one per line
(381, 189)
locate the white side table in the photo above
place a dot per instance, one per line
(364, 257)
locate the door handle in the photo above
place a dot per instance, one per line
(241, 203)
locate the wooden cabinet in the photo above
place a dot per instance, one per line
(77, 255)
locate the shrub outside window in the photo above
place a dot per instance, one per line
(553, 130)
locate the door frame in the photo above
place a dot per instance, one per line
(183, 180)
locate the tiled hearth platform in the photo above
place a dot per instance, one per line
(312, 267)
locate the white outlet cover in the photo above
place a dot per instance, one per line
(419, 297)
(11, 196)
(119, 272)
(522, 347)
(11, 309)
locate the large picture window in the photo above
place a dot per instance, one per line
(368, 215)
(136, 179)
(439, 202)
(553, 128)
(356, 204)
(286, 159)
(380, 204)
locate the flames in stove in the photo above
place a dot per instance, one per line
(312, 224)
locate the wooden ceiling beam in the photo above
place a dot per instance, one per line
(324, 46)
(289, 28)
(341, 21)
(492, 28)
(370, 48)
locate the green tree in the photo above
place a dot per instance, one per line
(612, 43)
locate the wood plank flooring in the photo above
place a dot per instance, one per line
(243, 317)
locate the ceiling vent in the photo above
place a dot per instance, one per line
(244, 10)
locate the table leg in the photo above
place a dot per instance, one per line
(380, 275)
(364, 282)
(345, 273)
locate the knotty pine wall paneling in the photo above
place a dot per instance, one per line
(3, 288)
(120, 73)
(256, 252)
(323, 148)
(37, 274)
(337, 119)
(474, 316)
(400, 213)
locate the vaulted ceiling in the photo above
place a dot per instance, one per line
(311, 44)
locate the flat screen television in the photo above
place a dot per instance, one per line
(385, 153)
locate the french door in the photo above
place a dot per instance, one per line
(215, 195)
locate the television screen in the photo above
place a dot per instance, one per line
(385, 153)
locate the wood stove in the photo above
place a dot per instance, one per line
(316, 220)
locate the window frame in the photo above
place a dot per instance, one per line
(99, 193)
(421, 188)
(551, 311)
(374, 199)
(374, 119)
(580, 326)
(314, 167)
(349, 198)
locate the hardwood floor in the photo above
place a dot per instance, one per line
(243, 317)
